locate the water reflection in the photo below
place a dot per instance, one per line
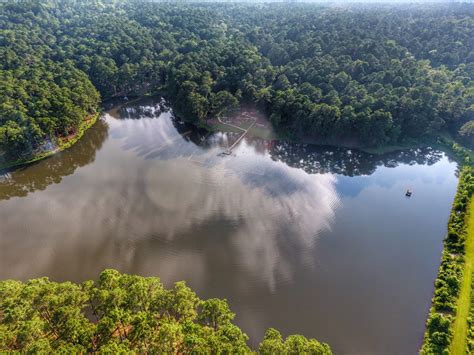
(167, 139)
(325, 231)
(343, 161)
(38, 176)
(125, 201)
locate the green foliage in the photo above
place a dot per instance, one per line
(124, 313)
(466, 134)
(223, 101)
(372, 75)
(273, 343)
(447, 285)
(40, 102)
(470, 322)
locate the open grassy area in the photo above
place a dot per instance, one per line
(459, 341)
(263, 133)
(257, 132)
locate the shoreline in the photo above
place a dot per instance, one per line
(62, 145)
(262, 134)
(442, 142)
(459, 343)
(451, 300)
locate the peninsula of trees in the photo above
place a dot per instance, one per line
(360, 75)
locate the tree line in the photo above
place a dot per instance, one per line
(123, 313)
(366, 75)
(440, 322)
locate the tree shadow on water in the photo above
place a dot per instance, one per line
(37, 176)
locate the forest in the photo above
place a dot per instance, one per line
(124, 313)
(365, 75)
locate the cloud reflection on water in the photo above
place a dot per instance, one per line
(326, 230)
(107, 211)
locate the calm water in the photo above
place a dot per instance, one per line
(317, 241)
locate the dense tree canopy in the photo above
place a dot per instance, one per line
(123, 313)
(367, 75)
(41, 101)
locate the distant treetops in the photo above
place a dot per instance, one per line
(124, 313)
(368, 74)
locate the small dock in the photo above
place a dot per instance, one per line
(228, 151)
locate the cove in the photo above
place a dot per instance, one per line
(312, 240)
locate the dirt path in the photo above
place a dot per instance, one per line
(230, 124)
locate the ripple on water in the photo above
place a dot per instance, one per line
(271, 225)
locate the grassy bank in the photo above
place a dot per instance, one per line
(470, 318)
(63, 143)
(451, 301)
(263, 133)
(460, 327)
(442, 141)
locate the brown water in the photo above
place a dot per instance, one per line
(309, 240)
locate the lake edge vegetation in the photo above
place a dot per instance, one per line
(62, 143)
(360, 76)
(123, 313)
(462, 342)
(443, 312)
(470, 318)
(368, 76)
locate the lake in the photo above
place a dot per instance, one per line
(312, 240)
